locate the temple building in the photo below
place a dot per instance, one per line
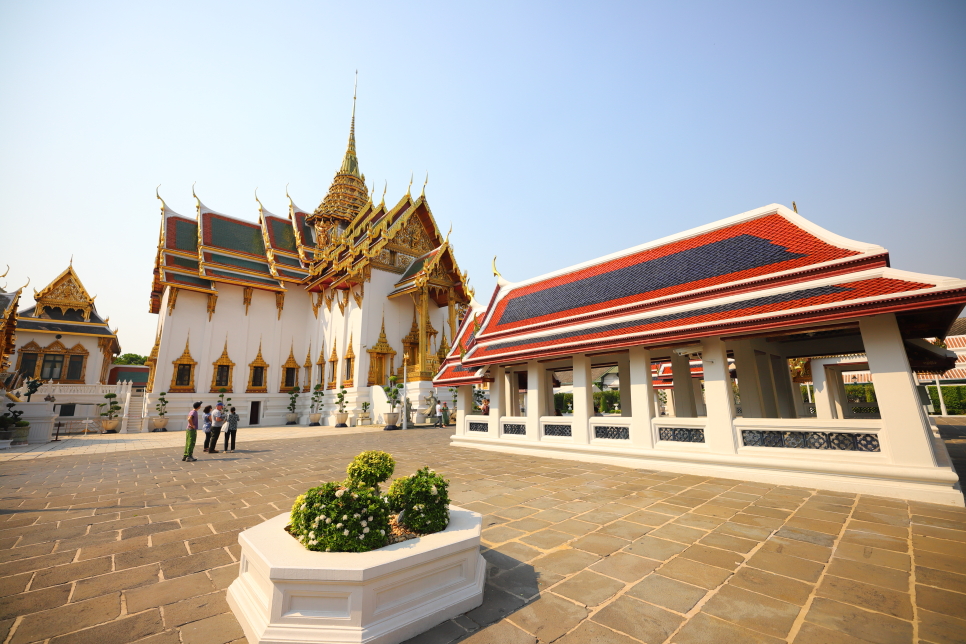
(742, 310)
(345, 296)
(62, 339)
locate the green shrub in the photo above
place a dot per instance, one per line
(422, 500)
(371, 468)
(338, 518)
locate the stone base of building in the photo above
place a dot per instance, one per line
(286, 594)
(932, 485)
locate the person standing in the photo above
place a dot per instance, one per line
(439, 415)
(191, 433)
(206, 425)
(445, 412)
(485, 407)
(218, 418)
(231, 429)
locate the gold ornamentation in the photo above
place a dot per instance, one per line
(279, 303)
(308, 370)
(186, 361)
(257, 363)
(362, 293)
(152, 361)
(321, 364)
(329, 299)
(349, 361)
(381, 359)
(333, 368)
(172, 299)
(316, 299)
(65, 292)
(247, 297)
(222, 361)
(291, 363)
(212, 303)
(343, 300)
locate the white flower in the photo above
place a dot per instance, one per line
(346, 533)
(355, 516)
(339, 493)
(382, 532)
(345, 517)
(365, 531)
(355, 496)
(370, 518)
(360, 537)
(338, 525)
(328, 549)
(303, 506)
(311, 535)
(328, 520)
(432, 490)
(365, 523)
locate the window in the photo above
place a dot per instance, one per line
(53, 366)
(322, 373)
(221, 377)
(290, 375)
(75, 368)
(258, 376)
(68, 409)
(183, 377)
(348, 369)
(28, 364)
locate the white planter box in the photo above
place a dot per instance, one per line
(286, 594)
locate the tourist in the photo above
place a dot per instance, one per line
(231, 430)
(485, 407)
(206, 425)
(218, 418)
(439, 415)
(445, 413)
(191, 433)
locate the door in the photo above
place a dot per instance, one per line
(256, 412)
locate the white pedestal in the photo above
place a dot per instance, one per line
(286, 594)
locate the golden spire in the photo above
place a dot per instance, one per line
(423, 193)
(795, 207)
(347, 194)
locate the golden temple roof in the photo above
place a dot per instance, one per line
(347, 194)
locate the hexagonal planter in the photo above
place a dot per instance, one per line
(286, 594)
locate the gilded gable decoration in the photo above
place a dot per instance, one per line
(212, 303)
(172, 299)
(349, 362)
(65, 292)
(183, 374)
(358, 297)
(247, 297)
(257, 374)
(223, 372)
(333, 368)
(279, 303)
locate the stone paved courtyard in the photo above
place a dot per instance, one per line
(139, 546)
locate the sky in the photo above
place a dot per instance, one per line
(552, 132)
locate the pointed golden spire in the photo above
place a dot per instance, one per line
(409, 190)
(423, 193)
(795, 207)
(158, 195)
(384, 188)
(347, 194)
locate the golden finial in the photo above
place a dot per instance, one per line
(158, 195)
(795, 207)
(384, 188)
(410, 188)
(423, 193)
(26, 285)
(451, 230)
(260, 206)
(195, 196)
(7, 271)
(496, 273)
(71, 260)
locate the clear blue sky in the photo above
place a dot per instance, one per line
(553, 132)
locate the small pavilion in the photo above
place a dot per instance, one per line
(740, 309)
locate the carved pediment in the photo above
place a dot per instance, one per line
(65, 292)
(413, 235)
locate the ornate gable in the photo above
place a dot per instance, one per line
(65, 292)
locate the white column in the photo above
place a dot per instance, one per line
(536, 400)
(583, 400)
(548, 389)
(670, 405)
(748, 388)
(464, 406)
(797, 399)
(718, 430)
(641, 396)
(904, 422)
(623, 373)
(823, 395)
(781, 376)
(699, 407)
(766, 384)
(683, 389)
(942, 403)
(497, 400)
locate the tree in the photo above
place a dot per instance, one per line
(130, 358)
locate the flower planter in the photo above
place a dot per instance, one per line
(159, 422)
(341, 418)
(291, 418)
(364, 419)
(6, 437)
(110, 426)
(391, 420)
(285, 593)
(314, 420)
(20, 435)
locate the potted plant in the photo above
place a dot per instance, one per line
(318, 393)
(393, 390)
(9, 422)
(364, 416)
(342, 415)
(291, 418)
(340, 567)
(160, 422)
(109, 419)
(33, 384)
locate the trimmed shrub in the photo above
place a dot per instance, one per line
(422, 500)
(335, 517)
(371, 468)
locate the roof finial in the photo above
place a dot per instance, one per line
(195, 196)
(423, 194)
(410, 188)
(384, 188)
(451, 230)
(158, 195)
(7, 271)
(795, 207)
(71, 260)
(260, 206)
(496, 273)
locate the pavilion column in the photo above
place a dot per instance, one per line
(799, 402)
(766, 384)
(671, 403)
(583, 400)
(624, 385)
(683, 389)
(719, 429)
(781, 376)
(464, 406)
(536, 399)
(748, 386)
(823, 396)
(641, 396)
(548, 388)
(497, 400)
(904, 422)
(699, 407)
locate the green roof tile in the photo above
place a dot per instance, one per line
(236, 236)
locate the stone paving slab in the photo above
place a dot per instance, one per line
(138, 546)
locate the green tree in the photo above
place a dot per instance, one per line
(130, 358)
